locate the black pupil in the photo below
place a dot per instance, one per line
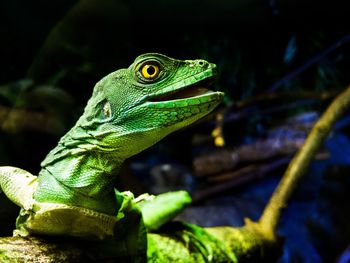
(151, 70)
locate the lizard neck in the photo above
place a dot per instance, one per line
(79, 176)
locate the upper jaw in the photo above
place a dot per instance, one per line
(193, 86)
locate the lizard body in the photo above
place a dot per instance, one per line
(130, 110)
(126, 114)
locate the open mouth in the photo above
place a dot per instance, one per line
(194, 90)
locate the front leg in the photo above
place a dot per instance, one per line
(160, 209)
(65, 219)
(60, 218)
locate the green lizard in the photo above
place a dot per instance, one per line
(130, 110)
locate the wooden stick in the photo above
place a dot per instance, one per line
(298, 166)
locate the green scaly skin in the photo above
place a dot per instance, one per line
(122, 118)
(128, 112)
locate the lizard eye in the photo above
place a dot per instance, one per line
(150, 71)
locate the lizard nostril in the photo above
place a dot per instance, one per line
(202, 63)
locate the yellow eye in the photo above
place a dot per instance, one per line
(150, 71)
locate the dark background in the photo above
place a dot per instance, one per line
(53, 52)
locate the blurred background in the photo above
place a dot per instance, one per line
(280, 62)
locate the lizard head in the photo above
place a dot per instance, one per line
(155, 96)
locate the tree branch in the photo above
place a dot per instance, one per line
(298, 166)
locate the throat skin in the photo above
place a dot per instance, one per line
(130, 110)
(86, 179)
(83, 173)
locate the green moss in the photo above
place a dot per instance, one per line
(187, 243)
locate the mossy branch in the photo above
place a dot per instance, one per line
(251, 243)
(298, 166)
